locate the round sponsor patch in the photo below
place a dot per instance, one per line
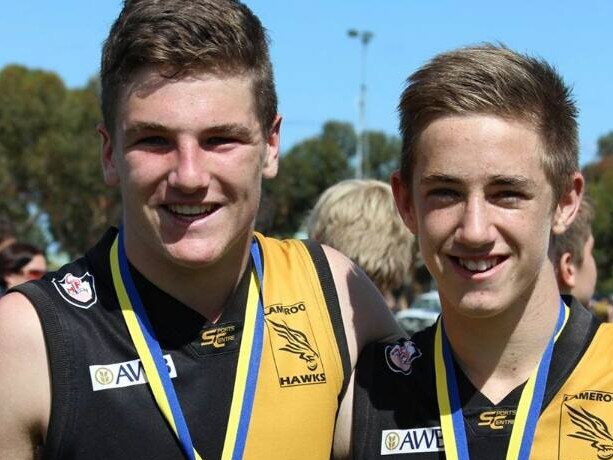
(399, 357)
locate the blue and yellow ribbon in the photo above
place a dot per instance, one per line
(528, 409)
(150, 354)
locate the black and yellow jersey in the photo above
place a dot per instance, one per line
(395, 399)
(102, 406)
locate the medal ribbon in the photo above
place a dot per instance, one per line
(150, 354)
(528, 409)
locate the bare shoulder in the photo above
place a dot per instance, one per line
(24, 380)
(365, 314)
(366, 319)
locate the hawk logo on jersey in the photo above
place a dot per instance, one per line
(297, 343)
(593, 429)
(400, 357)
(586, 421)
(294, 349)
(79, 291)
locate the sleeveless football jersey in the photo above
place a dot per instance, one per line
(395, 395)
(102, 406)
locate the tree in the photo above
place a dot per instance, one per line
(383, 155)
(605, 145)
(28, 109)
(599, 179)
(315, 164)
(304, 172)
(79, 205)
(49, 160)
(601, 191)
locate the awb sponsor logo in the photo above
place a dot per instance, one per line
(124, 374)
(418, 440)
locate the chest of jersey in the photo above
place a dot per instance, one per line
(103, 407)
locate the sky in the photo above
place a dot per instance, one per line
(318, 67)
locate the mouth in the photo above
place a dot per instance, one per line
(189, 212)
(478, 265)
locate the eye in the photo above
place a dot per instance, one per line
(509, 197)
(443, 193)
(219, 140)
(154, 141)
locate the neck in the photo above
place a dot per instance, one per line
(204, 289)
(501, 352)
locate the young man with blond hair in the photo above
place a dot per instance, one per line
(184, 334)
(511, 370)
(358, 217)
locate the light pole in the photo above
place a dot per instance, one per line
(362, 148)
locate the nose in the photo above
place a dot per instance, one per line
(190, 171)
(475, 227)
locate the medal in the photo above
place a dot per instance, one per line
(150, 354)
(528, 410)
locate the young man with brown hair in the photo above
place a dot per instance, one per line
(184, 334)
(489, 173)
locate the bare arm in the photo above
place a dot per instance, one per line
(366, 319)
(24, 379)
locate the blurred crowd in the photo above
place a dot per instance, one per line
(19, 262)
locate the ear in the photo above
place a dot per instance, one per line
(270, 165)
(568, 205)
(404, 202)
(567, 273)
(111, 177)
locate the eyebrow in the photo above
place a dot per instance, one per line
(226, 129)
(138, 127)
(512, 181)
(438, 178)
(499, 180)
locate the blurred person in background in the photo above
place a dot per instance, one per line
(573, 258)
(20, 262)
(359, 218)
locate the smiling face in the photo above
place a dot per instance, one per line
(188, 155)
(482, 209)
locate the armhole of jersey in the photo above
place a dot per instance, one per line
(566, 355)
(363, 384)
(60, 364)
(331, 297)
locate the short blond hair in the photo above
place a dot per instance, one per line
(359, 219)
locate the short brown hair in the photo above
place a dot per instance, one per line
(359, 219)
(494, 80)
(575, 237)
(182, 36)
